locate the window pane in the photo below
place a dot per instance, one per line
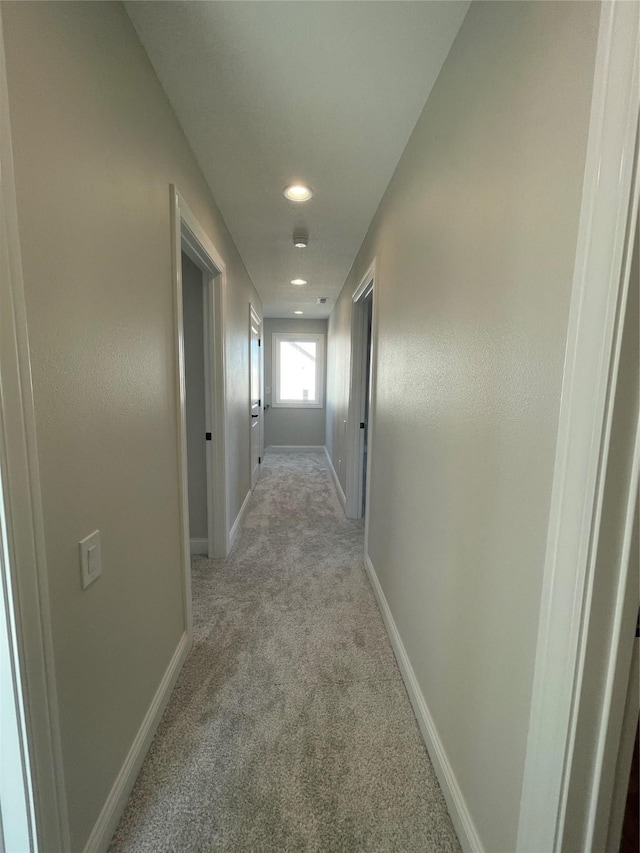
(298, 370)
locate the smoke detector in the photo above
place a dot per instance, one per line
(300, 241)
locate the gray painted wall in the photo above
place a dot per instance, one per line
(96, 146)
(192, 296)
(475, 244)
(291, 426)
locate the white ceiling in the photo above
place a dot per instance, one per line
(324, 92)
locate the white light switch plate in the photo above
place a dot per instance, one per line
(90, 558)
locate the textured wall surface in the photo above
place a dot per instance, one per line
(96, 146)
(475, 243)
(192, 302)
(291, 426)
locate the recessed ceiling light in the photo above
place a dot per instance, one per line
(298, 192)
(297, 312)
(298, 281)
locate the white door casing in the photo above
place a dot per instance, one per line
(355, 476)
(593, 346)
(24, 525)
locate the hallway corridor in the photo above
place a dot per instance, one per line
(289, 728)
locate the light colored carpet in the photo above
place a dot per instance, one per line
(289, 729)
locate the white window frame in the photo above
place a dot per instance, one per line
(282, 337)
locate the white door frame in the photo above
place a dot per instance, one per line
(357, 391)
(254, 317)
(24, 526)
(208, 346)
(593, 344)
(17, 818)
(189, 236)
(208, 274)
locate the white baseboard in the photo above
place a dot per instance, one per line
(462, 820)
(114, 806)
(341, 495)
(199, 546)
(293, 448)
(236, 524)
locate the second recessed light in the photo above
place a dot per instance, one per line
(298, 281)
(297, 312)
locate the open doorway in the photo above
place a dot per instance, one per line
(361, 386)
(584, 705)
(198, 405)
(256, 408)
(199, 292)
(33, 808)
(17, 827)
(607, 697)
(367, 312)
